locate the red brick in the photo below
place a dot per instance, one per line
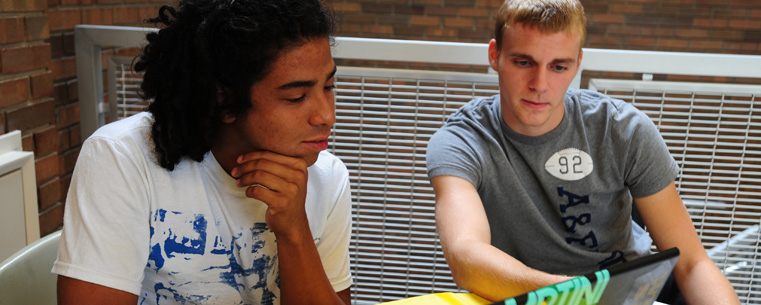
(726, 35)
(75, 135)
(70, 2)
(362, 19)
(37, 114)
(52, 3)
(27, 142)
(755, 13)
(14, 91)
(627, 31)
(68, 161)
(661, 32)
(741, 47)
(489, 3)
(377, 8)
(11, 30)
(480, 36)
(377, 29)
(51, 220)
(691, 33)
(126, 15)
(68, 44)
(65, 182)
(706, 44)
(64, 68)
(425, 21)
(49, 193)
(42, 85)
(746, 3)
(712, 23)
(672, 43)
(730, 12)
(640, 42)
(46, 167)
(108, 1)
(61, 93)
(98, 16)
(147, 12)
(46, 141)
(394, 20)
(36, 28)
(410, 9)
(607, 18)
(64, 141)
(458, 22)
(60, 19)
(23, 5)
(74, 89)
(441, 11)
(346, 7)
(2, 123)
(56, 45)
(67, 115)
(745, 24)
(626, 8)
(414, 32)
(474, 12)
(24, 58)
(441, 32)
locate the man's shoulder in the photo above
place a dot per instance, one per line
(138, 124)
(479, 105)
(594, 102)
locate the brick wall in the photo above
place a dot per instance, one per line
(715, 26)
(38, 88)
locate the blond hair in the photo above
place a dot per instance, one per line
(550, 16)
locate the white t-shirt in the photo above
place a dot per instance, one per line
(189, 235)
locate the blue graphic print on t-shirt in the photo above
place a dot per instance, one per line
(192, 263)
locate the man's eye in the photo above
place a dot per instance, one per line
(296, 100)
(559, 68)
(328, 88)
(521, 63)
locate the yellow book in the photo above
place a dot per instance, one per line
(442, 298)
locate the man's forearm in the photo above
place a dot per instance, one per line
(494, 275)
(705, 284)
(302, 277)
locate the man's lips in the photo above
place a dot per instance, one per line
(319, 144)
(533, 104)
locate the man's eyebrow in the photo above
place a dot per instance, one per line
(306, 83)
(569, 60)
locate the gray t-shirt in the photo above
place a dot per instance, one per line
(560, 202)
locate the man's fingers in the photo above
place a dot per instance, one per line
(275, 157)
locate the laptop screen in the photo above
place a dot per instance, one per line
(638, 281)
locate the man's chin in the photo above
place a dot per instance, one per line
(310, 159)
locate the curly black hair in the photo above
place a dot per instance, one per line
(204, 60)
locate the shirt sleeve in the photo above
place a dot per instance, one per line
(650, 166)
(106, 232)
(333, 246)
(452, 151)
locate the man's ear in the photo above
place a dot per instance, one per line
(227, 117)
(493, 55)
(222, 94)
(581, 55)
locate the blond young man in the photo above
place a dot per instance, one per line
(536, 184)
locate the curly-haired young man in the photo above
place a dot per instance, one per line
(221, 193)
